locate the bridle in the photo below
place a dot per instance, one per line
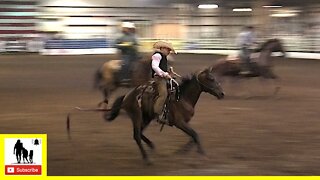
(201, 84)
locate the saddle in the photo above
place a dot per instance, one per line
(148, 94)
(236, 59)
(151, 89)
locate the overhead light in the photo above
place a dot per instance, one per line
(294, 11)
(208, 6)
(286, 11)
(272, 6)
(284, 15)
(242, 9)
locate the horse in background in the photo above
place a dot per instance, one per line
(138, 104)
(107, 81)
(261, 65)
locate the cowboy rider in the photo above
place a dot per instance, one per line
(127, 44)
(160, 75)
(245, 40)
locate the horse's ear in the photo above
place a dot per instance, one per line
(274, 40)
(207, 70)
(211, 69)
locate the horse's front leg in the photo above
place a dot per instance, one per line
(270, 75)
(186, 148)
(276, 82)
(193, 134)
(105, 92)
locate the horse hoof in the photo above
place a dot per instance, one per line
(200, 151)
(182, 151)
(205, 157)
(152, 147)
(277, 89)
(107, 116)
(148, 162)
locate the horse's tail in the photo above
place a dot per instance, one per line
(97, 79)
(115, 109)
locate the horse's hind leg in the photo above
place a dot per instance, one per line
(188, 130)
(137, 135)
(136, 117)
(145, 139)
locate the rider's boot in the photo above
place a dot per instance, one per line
(245, 70)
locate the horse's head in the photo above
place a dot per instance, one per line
(275, 45)
(209, 84)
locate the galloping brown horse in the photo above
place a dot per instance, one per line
(260, 66)
(138, 104)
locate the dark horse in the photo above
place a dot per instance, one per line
(260, 66)
(138, 104)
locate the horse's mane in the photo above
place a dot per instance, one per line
(185, 80)
(265, 44)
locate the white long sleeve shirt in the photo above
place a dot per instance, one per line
(246, 38)
(156, 58)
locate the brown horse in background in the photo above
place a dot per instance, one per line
(107, 81)
(138, 104)
(260, 66)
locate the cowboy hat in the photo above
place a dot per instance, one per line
(161, 44)
(128, 25)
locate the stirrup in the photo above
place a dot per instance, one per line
(163, 122)
(161, 119)
(245, 72)
(125, 82)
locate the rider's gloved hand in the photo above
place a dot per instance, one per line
(126, 44)
(167, 76)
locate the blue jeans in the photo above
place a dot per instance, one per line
(126, 69)
(245, 58)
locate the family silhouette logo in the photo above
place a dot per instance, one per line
(23, 156)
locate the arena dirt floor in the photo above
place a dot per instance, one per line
(250, 132)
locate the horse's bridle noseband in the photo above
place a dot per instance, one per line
(197, 78)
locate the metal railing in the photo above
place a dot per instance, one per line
(291, 43)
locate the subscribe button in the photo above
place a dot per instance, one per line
(23, 170)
